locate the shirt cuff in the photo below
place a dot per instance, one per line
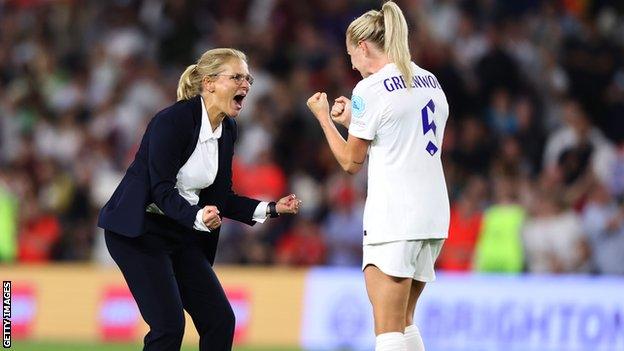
(199, 222)
(260, 214)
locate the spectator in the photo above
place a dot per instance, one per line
(615, 182)
(466, 216)
(267, 181)
(302, 245)
(577, 145)
(473, 152)
(530, 134)
(39, 233)
(499, 114)
(499, 245)
(554, 241)
(342, 227)
(603, 220)
(8, 222)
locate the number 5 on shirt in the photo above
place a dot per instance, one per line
(429, 126)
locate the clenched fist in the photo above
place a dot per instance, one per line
(319, 106)
(211, 217)
(341, 111)
(288, 204)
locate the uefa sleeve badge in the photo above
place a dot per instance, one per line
(357, 106)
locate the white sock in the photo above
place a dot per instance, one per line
(394, 341)
(413, 340)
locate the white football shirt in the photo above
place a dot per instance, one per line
(407, 197)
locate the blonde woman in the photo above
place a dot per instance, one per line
(162, 222)
(397, 111)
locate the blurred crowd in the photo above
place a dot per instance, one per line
(533, 149)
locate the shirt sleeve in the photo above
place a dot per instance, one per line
(366, 113)
(260, 213)
(199, 222)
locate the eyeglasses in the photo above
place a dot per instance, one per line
(238, 78)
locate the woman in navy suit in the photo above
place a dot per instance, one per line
(162, 222)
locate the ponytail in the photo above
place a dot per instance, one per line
(186, 87)
(387, 29)
(396, 45)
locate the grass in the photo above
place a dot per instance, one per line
(46, 346)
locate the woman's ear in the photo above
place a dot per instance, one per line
(208, 84)
(363, 45)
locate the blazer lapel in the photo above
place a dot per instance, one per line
(225, 147)
(196, 110)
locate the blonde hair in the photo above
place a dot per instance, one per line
(387, 29)
(210, 63)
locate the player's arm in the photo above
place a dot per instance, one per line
(350, 153)
(357, 148)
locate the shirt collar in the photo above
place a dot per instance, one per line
(206, 133)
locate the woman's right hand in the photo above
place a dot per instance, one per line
(211, 217)
(319, 106)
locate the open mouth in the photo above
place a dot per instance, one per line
(238, 100)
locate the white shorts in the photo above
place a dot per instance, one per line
(405, 258)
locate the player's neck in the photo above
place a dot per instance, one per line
(378, 63)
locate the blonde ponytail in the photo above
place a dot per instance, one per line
(186, 88)
(208, 65)
(396, 45)
(387, 29)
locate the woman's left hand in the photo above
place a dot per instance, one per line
(288, 204)
(341, 111)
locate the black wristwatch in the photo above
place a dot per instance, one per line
(272, 209)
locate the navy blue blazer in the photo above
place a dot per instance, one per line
(168, 142)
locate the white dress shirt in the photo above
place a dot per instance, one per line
(200, 171)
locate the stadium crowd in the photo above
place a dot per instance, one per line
(533, 149)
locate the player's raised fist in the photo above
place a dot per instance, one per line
(341, 111)
(319, 105)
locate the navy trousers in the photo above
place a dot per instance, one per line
(168, 271)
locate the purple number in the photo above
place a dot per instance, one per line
(427, 126)
(425, 118)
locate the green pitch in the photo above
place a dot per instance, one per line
(43, 346)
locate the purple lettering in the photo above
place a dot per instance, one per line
(435, 325)
(566, 312)
(432, 81)
(438, 82)
(524, 323)
(591, 325)
(415, 82)
(397, 82)
(463, 318)
(618, 327)
(540, 322)
(484, 322)
(388, 88)
(403, 81)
